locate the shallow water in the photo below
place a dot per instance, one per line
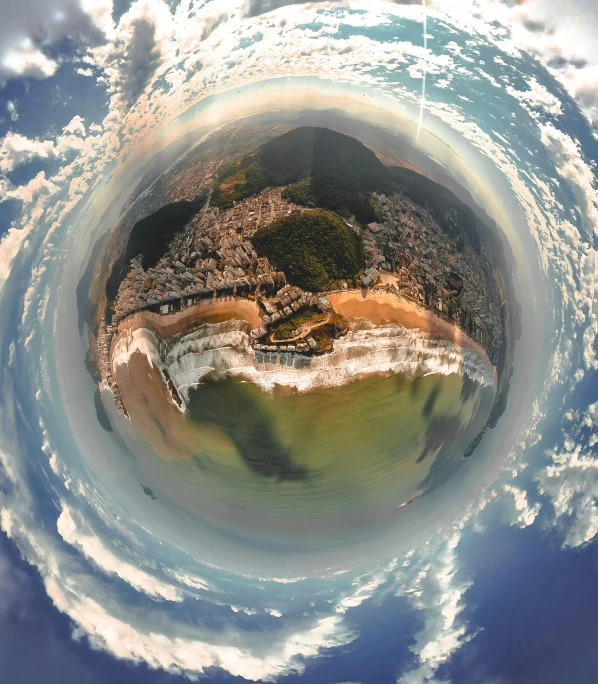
(328, 465)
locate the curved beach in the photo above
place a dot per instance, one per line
(210, 310)
(381, 307)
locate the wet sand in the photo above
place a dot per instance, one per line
(147, 398)
(207, 311)
(151, 408)
(381, 307)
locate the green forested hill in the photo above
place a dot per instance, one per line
(321, 167)
(314, 249)
(454, 217)
(151, 236)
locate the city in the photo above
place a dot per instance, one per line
(406, 253)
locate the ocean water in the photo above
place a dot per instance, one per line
(333, 463)
(221, 350)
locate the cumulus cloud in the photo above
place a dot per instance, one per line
(11, 107)
(138, 49)
(582, 83)
(26, 60)
(572, 166)
(432, 582)
(76, 126)
(17, 149)
(212, 23)
(570, 481)
(257, 7)
(139, 60)
(537, 98)
(105, 559)
(524, 512)
(31, 28)
(30, 191)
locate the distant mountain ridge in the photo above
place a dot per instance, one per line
(321, 168)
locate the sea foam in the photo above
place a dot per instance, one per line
(221, 350)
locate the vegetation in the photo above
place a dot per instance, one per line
(453, 216)
(301, 193)
(315, 249)
(325, 334)
(285, 329)
(321, 167)
(151, 237)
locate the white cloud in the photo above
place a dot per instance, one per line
(141, 43)
(433, 585)
(31, 27)
(524, 512)
(30, 191)
(105, 559)
(192, 656)
(11, 106)
(364, 587)
(76, 126)
(38, 193)
(560, 33)
(538, 97)
(256, 7)
(572, 166)
(27, 60)
(582, 83)
(570, 481)
(17, 149)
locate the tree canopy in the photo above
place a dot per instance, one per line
(315, 249)
(322, 168)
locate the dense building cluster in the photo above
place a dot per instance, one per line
(442, 273)
(213, 256)
(103, 349)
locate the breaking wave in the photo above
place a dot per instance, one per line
(220, 350)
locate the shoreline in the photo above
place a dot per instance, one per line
(207, 311)
(381, 307)
(378, 306)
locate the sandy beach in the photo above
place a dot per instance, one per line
(381, 307)
(207, 311)
(378, 306)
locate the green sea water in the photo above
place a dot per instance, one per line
(327, 464)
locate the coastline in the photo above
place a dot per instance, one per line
(207, 311)
(381, 307)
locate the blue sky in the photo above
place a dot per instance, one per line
(502, 589)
